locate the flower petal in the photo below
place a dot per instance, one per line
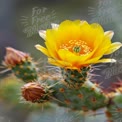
(74, 59)
(106, 61)
(67, 56)
(59, 63)
(42, 34)
(102, 46)
(54, 26)
(113, 47)
(109, 34)
(42, 49)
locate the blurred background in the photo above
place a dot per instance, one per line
(20, 21)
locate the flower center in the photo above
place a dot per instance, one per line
(79, 47)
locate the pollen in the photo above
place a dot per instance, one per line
(77, 46)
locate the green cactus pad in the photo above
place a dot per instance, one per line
(47, 96)
(85, 98)
(75, 78)
(115, 109)
(25, 71)
(115, 113)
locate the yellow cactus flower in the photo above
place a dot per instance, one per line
(74, 44)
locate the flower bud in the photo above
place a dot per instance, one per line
(14, 57)
(21, 64)
(33, 92)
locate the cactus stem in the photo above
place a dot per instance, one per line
(91, 85)
(53, 98)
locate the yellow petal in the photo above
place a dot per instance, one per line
(42, 49)
(66, 23)
(102, 47)
(109, 34)
(67, 56)
(51, 35)
(59, 63)
(92, 60)
(113, 47)
(52, 42)
(42, 34)
(106, 61)
(78, 22)
(96, 26)
(52, 49)
(74, 59)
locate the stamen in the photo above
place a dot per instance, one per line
(80, 47)
(77, 49)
